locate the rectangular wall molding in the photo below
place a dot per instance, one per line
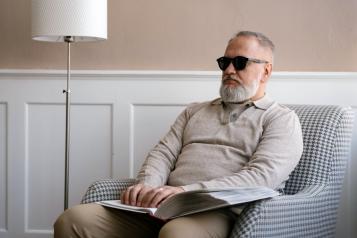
(116, 118)
(3, 168)
(91, 127)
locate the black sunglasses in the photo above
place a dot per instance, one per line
(239, 62)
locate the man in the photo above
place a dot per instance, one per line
(241, 139)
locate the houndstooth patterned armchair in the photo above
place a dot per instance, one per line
(309, 206)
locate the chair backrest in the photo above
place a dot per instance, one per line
(327, 133)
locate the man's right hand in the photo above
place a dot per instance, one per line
(133, 194)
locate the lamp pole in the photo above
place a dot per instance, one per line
(67, 91)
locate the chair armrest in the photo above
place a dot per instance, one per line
(108, 189)
(304, 214)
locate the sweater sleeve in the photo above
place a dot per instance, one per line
(277, 154)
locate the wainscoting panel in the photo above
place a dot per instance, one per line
(43, 165)
(91, 147)
(90, 151)
(116, 118)
(3, 168)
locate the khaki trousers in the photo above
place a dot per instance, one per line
(94, 221)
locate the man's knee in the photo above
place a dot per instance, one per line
(207, 224)
(73, 221)
(180, 227)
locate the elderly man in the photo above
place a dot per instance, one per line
(243, 138)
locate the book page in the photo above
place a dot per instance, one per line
(117, 204)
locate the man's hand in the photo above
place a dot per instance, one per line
(145, 196)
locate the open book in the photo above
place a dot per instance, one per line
(196, 201)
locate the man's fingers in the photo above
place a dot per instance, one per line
(131, 193)
(148, 198)
(158, 195)
(141, 195)
(126, 196)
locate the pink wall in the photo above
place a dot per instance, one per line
(310, 35)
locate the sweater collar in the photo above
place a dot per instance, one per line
(263, 103)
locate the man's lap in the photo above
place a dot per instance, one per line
(93, 220)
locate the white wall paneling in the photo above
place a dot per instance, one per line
(116, 117)
(91, 140)
(3, 167)
(148, 125)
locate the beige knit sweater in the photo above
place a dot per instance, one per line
(215, 145)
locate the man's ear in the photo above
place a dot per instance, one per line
(267, 72)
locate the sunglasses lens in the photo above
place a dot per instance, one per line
(223, 63)
(240, 62)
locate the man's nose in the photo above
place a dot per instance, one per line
(230, 69)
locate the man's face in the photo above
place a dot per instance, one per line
(248, 83)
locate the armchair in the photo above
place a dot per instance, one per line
(311, 197)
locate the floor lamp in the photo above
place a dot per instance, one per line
(69, 21)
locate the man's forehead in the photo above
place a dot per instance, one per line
(246, 46)
(243, 42)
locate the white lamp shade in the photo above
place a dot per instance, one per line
(84, 20)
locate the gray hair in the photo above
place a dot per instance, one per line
(263, 40)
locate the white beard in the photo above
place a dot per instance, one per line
(239, 93)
